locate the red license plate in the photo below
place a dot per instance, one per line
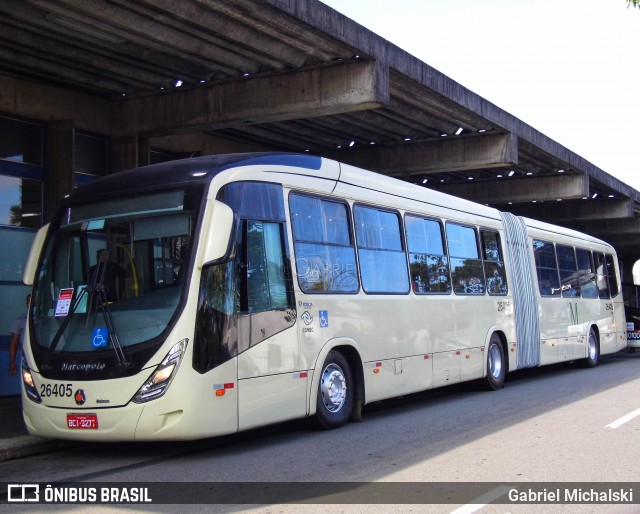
(82, 421)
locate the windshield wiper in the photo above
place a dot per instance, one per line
(97, 298)
(63, 326)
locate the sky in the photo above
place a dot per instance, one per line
(568, 68)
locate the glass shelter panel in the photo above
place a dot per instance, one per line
(21, 141)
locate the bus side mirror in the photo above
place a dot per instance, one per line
(636, 273)
(31, 266)
(217, 234)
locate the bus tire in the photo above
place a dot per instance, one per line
(335, 392)
(593, 350)
(496, 365)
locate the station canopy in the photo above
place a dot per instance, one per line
(299, 76)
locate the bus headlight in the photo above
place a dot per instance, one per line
(29, 385)
(159, 381)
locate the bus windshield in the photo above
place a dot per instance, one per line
(112, 275)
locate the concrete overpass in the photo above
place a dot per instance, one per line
(212, 76)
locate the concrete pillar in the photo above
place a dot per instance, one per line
(129, 152)
(59, 161)
(124, 153)
(144, 151)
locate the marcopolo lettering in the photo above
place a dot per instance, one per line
(85, 366)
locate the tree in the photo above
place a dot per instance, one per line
(633, 3)
(15, 215)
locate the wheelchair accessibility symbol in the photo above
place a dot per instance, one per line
(100, 337)
(324, 319)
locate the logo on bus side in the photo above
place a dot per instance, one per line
(307, 318)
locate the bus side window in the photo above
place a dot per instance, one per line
(547, 268)
(466, 265)
(383, 263)
(568, 271)
(216, 334)
(266, 293)
(602, 280)
(611, 273)
(493, 263)
(248, 298)
(266, 287)
(428, 262)
(586, 274)
(324, 253)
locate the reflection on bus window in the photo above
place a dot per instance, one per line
(611, 274)
(493, 263)
(567, 267)
(586, 274)
(547, 268)
(602, 279)
(20, 202)
(466, 266)
(383, 265)
(428, 263)
(325, 256)
(245, 300)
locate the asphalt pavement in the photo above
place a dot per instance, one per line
(15, 441)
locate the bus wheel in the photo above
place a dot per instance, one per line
(593, 350)
(496, 366)
(335, 392)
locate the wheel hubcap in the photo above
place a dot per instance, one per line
(495, 362)
(333, 388)
(592, 346)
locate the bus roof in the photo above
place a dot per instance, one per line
(203, 169)
(185, 171)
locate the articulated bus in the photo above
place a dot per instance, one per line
(206, 296)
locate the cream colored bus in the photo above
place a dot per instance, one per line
(202, 297)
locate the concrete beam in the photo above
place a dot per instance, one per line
(628, 226)
(320, 91)
(630, 254)
(348, 31)
(617, 239)
(204, 143)
(525, 190)
(45, 102)
(442, 155)
(570, 212)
